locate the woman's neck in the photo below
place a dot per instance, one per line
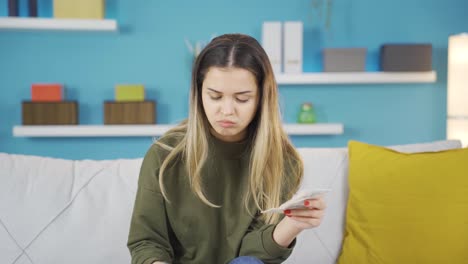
(231, 139)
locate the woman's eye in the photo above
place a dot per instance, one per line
(215, 97)
(242, 100)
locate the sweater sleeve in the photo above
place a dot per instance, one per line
(258, 242)
(148, 239)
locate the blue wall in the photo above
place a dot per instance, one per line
(150, 49)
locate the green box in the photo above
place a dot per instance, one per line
(129, 92)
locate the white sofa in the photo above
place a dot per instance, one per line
(65, 211)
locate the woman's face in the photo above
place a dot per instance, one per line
(230, 99)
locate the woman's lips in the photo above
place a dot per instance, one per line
(226, 123)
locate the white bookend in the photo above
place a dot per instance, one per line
(272, 43)
(293, 42)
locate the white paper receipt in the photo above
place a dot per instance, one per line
(297, 201)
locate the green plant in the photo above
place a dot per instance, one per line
(319, 7)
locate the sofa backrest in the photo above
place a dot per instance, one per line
(64, 211)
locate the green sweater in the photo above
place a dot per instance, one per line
(185, 230)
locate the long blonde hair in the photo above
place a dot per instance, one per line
(275, 169)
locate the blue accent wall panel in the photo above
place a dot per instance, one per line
(150, 49)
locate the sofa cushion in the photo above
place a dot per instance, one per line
(64, 211)
(328, 168)
(406, 208)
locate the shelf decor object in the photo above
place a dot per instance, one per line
(50, 113)
(13, 8)
(152, 130)
(272, 42)
(457, 88)
(129, 107)
(293, 46)
(48, 106)
(127, 113)
(306, 114)
(406, 57)
(32, 8)
(344, 59)
(87, 9)
(52, 92)
(129, 92)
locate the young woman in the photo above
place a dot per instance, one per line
(204, 183)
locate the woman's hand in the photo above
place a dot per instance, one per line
(299, 219)
(310, 217)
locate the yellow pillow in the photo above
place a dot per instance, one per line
(406, 208)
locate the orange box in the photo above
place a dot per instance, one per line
(50, 92)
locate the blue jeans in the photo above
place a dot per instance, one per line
(246, 260)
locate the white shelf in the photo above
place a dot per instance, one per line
(148, 130)
(357, 77)
(25, 23)
(314, 129)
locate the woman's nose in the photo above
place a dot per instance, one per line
(227, 107)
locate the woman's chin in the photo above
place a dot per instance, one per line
(227, 134)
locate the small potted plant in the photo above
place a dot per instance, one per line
(323, 6)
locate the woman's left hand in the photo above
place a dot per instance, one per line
(298, 220)
(310, 217)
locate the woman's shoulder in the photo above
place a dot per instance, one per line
(163, 146)
(170, 139)
(155, 156)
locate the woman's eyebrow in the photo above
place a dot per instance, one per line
(243, 92)
(213, 90)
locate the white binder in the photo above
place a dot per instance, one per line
(293, 42)
(272, 43)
